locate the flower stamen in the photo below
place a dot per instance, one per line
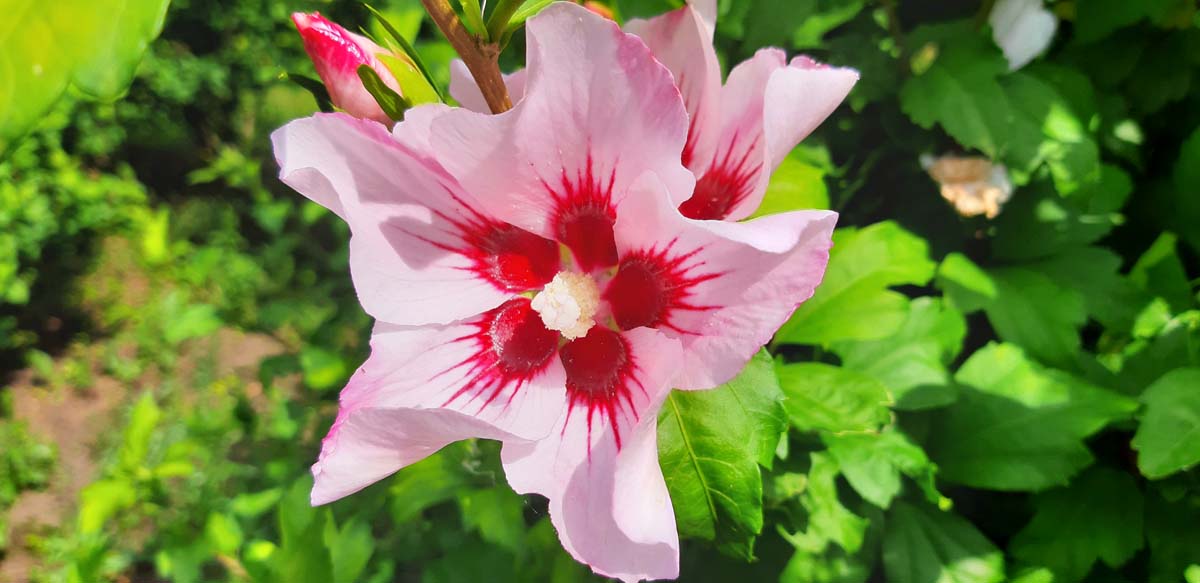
(568, 304)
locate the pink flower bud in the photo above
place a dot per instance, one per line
(337, 54)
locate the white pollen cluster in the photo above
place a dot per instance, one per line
(568, 304)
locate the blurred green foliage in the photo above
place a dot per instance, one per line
(963, 399)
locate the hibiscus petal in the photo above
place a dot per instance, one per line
(608, 500)
(494, 376)
(767, 107)
(598, 111)
(466, 92)
(682, 40)
(420, 252)
(371, 444)
(723, 288)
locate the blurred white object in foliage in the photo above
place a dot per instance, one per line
(974, 185)
(1023, 29)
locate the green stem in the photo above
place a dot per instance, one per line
(501, 14)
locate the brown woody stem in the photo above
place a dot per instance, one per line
(481, 58)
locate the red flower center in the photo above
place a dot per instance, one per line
(600, 376)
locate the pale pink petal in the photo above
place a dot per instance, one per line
(420, 252)
(708, 13)
(607, 496)
(723, 288)
(682, 40)
(337, 54)
(466, 92)
(494, 376)
(798, 98)
(371, 444)
(598, 111)
(767, 107)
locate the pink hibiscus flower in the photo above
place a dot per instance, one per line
(738, 133)
(337, 54)
(535, 283)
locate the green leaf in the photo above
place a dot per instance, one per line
(874, 462)
(392, 103)
(794, 185)
(829, 398)
(1024, 306)
(1097, 517)
(828, 520)
(323, 370)
(497, 513)
(968, 287)
(434, 479)
(1046, 128)
(303, 555)
(1168, 437)
(960, 90)
(223, 534)
(1017, 425)
(1040, 223)
(102, 500)
(912, 362)
(194, 321)
(315, 88)
(94, 45)
(1092, 272)
(1159, 271)
(350, 549)
(527, 10)
(1097, 19)
(139, 431)
(1172, 536)
(815, 18)
(710, 445)
(925, 545)
(408, 49)
(853, 302)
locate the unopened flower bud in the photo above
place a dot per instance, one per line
(337, 54)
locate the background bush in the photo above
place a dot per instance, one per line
(964, 399)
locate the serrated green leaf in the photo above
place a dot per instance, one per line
(912, 362)
(1024, 306)
(959, 90)
(925, 545)
(828, 520)
(874, 462)
(1092, 272)
(822, 397)
(1168, 437)
(710, 445)
(1097, 517)
(1018, 425)
(94, 45)
(853, 301)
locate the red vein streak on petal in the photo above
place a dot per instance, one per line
(583, 217)
(651, 285)
(601, 376)
(508, 257)
(724, 186)
(511, 347)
